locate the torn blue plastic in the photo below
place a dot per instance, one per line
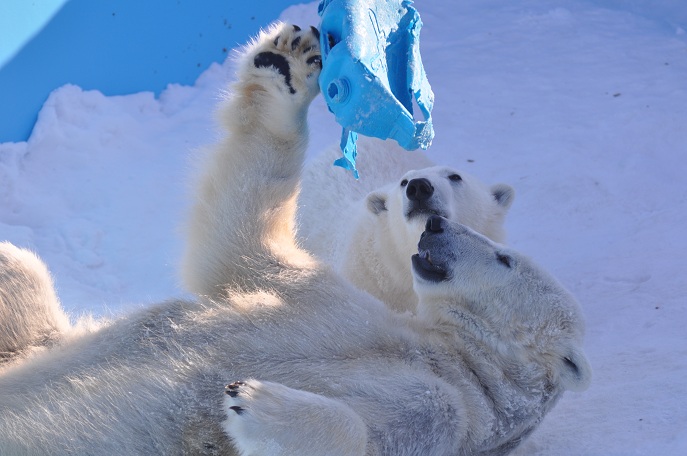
(348, 140)
(372, 73)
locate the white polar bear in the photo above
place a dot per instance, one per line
(323, 368)
(368, 229)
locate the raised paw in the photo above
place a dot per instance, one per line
(290, 57)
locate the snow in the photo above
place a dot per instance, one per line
(580, 105)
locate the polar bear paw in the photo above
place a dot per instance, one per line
(270, 418)
(287, 58)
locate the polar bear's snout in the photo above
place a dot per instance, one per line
(421, 198)
(419, 189)
(430, 261)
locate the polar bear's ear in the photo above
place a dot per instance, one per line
(376, 202)
(576, 373)
(503, 194)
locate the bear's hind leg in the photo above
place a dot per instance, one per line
(30, 313)
(270, 418)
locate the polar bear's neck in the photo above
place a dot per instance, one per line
(510, 392)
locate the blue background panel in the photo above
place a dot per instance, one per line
(115, 46)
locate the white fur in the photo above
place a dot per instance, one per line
(31, 317)
(328, 369)
(361, 229)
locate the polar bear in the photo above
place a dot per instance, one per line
(368, 229)
(317, 367)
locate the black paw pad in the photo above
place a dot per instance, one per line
(279, 62)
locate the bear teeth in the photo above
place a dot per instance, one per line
(424, 254)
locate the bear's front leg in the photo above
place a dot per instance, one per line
(265, 418)
(244, 216)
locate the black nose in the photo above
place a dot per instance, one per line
(419, 189)
(435, 224)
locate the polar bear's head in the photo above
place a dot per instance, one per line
(444, 191)
(509, 301)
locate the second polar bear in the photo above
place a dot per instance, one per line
(368, 229)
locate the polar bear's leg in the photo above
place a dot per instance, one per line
(30, 313)
(270, 418)
(243, 218)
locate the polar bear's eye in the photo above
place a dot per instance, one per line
(455, 178)
(504, 260)
(404, 182)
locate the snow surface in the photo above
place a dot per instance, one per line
(580, 105)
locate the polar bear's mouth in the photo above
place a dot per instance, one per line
(425, 268)
(423, 212)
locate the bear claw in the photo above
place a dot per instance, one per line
(237, 409)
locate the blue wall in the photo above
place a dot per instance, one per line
(115, 46)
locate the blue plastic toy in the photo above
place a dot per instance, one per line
(372, 73)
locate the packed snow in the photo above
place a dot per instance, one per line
(580, 105)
